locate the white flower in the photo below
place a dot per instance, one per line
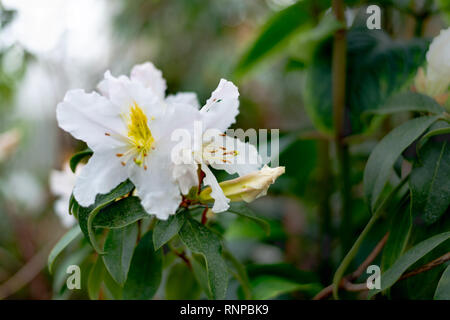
(436, 79)
(128, 127)
(61, 186)
(213, 148)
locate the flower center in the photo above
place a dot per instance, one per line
(139, 134)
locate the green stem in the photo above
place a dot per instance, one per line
(352, 253)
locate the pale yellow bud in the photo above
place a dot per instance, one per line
(246, 188)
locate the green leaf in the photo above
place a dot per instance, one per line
(86, 215)
(384, 155)
(276, 34)
(239, 272)
(443, 288)
(243, 210)
(201, 273)
(398, 237)
(430, 183)
(181, 283)
(167, 229)
(269, 287)
(200, 239)
(437, 129)
(377, 67)
(95, 279)
(145, 272)
(119, 246)
(409, 101)
(70, 236)
(123, 213)
(77, 157)
(389, 277)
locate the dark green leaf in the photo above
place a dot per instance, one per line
(166, 230)
(275, 34)
(384, 155)
(389, 277)
(443, 288)
(70, 236)
(145, 272)
(243, 210)
(200, 239)
(96, 279)
(430, 182)
(86, 215)
(121, 214)
(377, 67)
(398, 237)
(201, 273)
(77, 157)
(119, 246)
(181, 283)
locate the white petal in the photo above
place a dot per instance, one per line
(222, 107)
(61, 208)
(101, 174)
(247, 159)
(186, 176)
(156, 187)
(220, 201)
(150, 77)
(91, 118)
(189, 98)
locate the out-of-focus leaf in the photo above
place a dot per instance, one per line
(181, 283)
(276, 34)
(430, 182)
(200, 239)
(77, 157)
(144, 276)
(389, 277)
(70, 236)
(269, 287)
(443, 288)
(124, 212)
(87, 215)
(409, 101)
(119, 246)
(239, 272)
(377, 67)
(95, 279)
(383, 157)
(166, 230)
(243, 210)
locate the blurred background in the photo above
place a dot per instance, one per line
(50, 46)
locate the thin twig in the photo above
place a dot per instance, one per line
(346, 281)
(428, 266)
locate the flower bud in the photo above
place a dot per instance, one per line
(246, 188)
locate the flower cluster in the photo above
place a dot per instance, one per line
(132, 128)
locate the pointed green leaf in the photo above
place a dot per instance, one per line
(123, 213)
(200, 239)
(269, 287)
(167, 229)
(384, 155)
(239, 272)
(119, 246)
(430, 183)
(145, 272)
(181, 283)
(86, 215)
(70, 236)
(443, 287)
(411, 256)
